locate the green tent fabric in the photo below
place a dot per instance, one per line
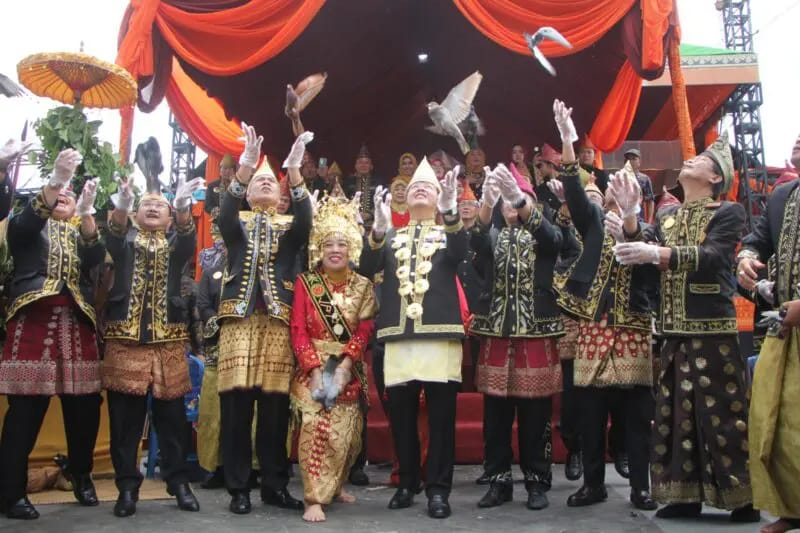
(696, 50)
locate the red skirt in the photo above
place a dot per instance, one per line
(51, 348)
(521, 368)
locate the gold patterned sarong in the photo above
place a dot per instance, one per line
(255, 352)
(775, 427)
(132, 368)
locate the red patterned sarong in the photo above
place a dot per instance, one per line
(522, 368)
(50, 349)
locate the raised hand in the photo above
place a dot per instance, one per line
(626, 192)
(614, 226)
(85, 204)
(637, 253)
(252, 147)
(184, 192)
(509, 188)
(66, 163)
(557, 188)
(383, 211)
(123, 198)
(491, 192)
(314, 197)
(11, 150)
(295, 157)
(448, 198)
(563, 118)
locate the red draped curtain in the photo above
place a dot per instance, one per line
(227, 37)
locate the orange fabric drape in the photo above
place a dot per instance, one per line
(682, 115)
(655, 23)
(703, 101)
(613, 121)
(582, 22)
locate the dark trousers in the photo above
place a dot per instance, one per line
(616, 432)
(639, 406)
(570, 409)
(533, 416)
(21, 427)
(440, 399)
(272, 426)
(127, 413)
(378, 351)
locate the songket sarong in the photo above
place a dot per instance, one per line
(568, 344)
(611, 356)
(700, 450)
(133, 368)
(775, 427)
(255, 352)
(50, 349)
(519, 368)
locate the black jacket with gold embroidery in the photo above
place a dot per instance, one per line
(145, 304)
(6, 195)
(518, 264)
(208, 297)
(614, 291)
(50, 257)
(698, 284)
(441, 309)
(262, 256)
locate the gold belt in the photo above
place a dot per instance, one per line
(328, 347)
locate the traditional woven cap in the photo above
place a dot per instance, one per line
(227, 161)
(335, 170)
(720, 152)
(425, 173)
(467, 195)
(335, 216)
(265, 169)
(586, 143)
(550, 155)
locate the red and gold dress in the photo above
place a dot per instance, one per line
(329, 319)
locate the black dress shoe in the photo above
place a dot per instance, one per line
(484, 479)
(680, 510)
(126, 503)
(746, 514)
(358, 477)
(573, 468)
(185, 497)
(280, 498)
(498, 494)
(83, 489)
(621, 465)
(402, 498)
(240, 503)
(587, 495)
(22, 509)
(537, 499)
(438, 506)
(641, 499)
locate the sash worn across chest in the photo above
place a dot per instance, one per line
(328, 311)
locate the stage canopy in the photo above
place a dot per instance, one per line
(221, 61)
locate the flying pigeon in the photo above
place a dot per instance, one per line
(299, 97)
(452, 114)
(545, 32)
(148, 159)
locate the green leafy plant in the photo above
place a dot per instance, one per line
(67, 127)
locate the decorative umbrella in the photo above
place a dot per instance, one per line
(77, 78)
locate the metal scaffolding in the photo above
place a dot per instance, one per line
(743, 106)
(183, 152)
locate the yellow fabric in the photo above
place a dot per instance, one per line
(437, 360)
(775, 427)
(52, 440)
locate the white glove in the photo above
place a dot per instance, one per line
(123, 198)
(765, 289)
(314, 197)
(85, 205)
(563, 116)
(448, 198)
(184, 192)
(66, 163)
(252, 147)
(491, 192)
(509, 188)
(557, 188)
(295, 157)
(11, 150)
(627, 193)
(637, 253)
(614, 226)
(383, 211)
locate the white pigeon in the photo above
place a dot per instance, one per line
(545, 32)
(455, 109)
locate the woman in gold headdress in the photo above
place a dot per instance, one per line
(406, 167)
(332, 321)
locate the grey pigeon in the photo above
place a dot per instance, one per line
(545, 32)
(454, 110)
(472, 128)
(148, 159)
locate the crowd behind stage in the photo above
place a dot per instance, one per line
(552, 275)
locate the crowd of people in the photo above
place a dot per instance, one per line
(554, 276)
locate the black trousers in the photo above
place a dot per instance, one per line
(127, 413)
(21, 427)
(570, 409)
(440, 399)
(639, 405)
(272, 426)
(378, 351)
(616, 432)
(533, 416)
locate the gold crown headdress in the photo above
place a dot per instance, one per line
(335, 216)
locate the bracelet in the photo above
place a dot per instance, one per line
(520, 204)
(237, 189)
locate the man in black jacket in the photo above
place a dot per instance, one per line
(51, 347)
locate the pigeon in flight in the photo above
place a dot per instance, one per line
(545, 32)
(455, 110)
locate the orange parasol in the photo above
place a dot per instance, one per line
(77, 78)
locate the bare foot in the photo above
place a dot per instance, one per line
(345, 497)
(778, 526)
(314, 513)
